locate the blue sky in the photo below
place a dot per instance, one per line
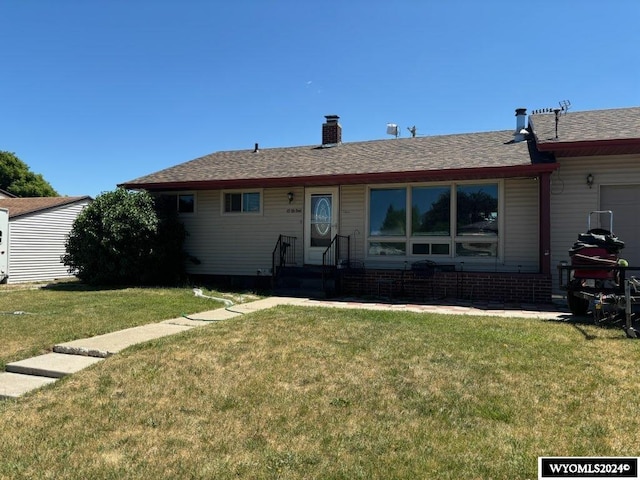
(98, 92)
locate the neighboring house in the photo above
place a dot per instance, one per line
(485, 207)
(38, 230)
(5, 194)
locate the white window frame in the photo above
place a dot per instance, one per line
(451, 240)
(241, 192)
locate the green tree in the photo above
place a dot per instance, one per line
(476, 208)
(18, 179)
(394, 222)
(435, 220)
(121, 238)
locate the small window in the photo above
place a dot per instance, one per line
(430, 249)
(171, 202)
(476, 249)
(440, 249)
(186, 203)
(387, 248)
(242, 202)
(420, 249)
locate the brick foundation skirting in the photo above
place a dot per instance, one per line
(473, 286)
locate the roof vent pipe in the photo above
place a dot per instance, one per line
(521, 116)
(256, 149)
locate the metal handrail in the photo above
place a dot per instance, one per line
(284, 253)
(333, 256)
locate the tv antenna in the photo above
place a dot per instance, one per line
(564, 105)
(564, 108)
(413, 130)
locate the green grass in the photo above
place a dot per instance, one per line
(68, 311)
(335, 394)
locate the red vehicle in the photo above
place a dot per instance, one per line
(597, 278)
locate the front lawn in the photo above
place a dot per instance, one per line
(323, 393)
(33, 320)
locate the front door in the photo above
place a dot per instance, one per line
(321, 222)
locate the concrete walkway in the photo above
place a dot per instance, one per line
(70, 357)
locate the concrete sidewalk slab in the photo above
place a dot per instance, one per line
(226, 313)
(106, 345)
(14, 385)
(53, 365)
(202, 318)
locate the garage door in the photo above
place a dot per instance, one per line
(624, 202)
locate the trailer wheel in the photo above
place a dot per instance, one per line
(577, 305)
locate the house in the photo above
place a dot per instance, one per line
(598, 158)
(485, 211)
(38, 230)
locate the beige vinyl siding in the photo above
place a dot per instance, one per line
(37, 241)
(352, 218)
(572, 199)
(521, 225)
(240, 244)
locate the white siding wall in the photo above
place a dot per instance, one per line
(572, 199)
(36, 243)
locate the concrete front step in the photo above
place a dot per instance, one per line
(52, 365)
(14, 385)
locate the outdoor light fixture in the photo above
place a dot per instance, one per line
(290, 196)
(590, 180)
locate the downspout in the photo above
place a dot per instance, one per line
(545, 222)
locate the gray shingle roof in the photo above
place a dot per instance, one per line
(595, 125)
(422, 154)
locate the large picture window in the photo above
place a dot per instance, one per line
(452, 220)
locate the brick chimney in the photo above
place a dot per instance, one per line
(331, 130)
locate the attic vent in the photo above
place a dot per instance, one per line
(331, 131)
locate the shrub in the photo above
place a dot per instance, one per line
(121, 238)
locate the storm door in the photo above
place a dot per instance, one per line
(321, 222)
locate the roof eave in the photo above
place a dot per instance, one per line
(30, 211)
(513, 171)
(591, 147)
